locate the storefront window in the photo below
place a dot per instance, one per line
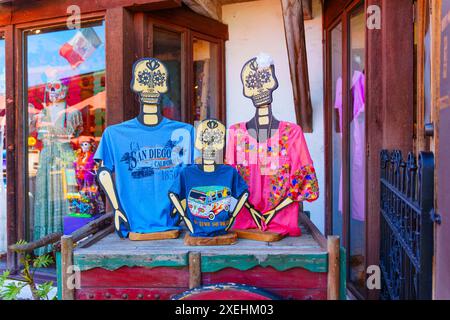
(357, 148)
(167, 48)
(205, 79)
(2, 147)
(66, 102)
(336, 118)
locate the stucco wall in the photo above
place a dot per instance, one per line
(255, 27)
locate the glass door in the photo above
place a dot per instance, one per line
(336, 129)
(357, 142)
(346, 141)
(65, 108)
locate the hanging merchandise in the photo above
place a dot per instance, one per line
(146, 155)
(80, 47)
(214, 193)
(272, 157)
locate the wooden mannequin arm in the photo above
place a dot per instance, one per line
(178, 205)
(106, 182)
(270, 214)
(241, 201)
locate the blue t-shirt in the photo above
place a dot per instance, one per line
(146, 161)
(209, 197)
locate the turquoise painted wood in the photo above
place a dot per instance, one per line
(113, 262)
(311, 262)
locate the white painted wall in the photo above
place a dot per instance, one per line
(257, 26)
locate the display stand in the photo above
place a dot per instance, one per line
(224, 240)
(171, 234)
(258, 235)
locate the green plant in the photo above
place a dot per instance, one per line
(11, 290)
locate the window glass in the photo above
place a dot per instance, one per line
(2, 147)
(336, 111)
(167, 48)
(357, 149)
(66, 102)
(205, 80)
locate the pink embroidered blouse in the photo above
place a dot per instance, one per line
(274, 170)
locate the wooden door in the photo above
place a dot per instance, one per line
(442, 143)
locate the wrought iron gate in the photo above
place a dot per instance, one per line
(406, 227)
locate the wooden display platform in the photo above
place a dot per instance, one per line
(172, 234)
(292, 268)
(225, 240)
(258, 235)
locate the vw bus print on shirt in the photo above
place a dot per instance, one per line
(209, 197)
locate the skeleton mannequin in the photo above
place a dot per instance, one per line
(259, 81)
(150, 80)
(210, 139)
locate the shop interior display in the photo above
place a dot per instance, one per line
(273, 158)
(214, 192)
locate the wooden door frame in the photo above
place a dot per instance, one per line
(220, 77)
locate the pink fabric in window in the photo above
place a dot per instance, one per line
(357, 145)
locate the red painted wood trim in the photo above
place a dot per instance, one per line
(128, 293)
(297, 278)
(300, 294)
(136, 277)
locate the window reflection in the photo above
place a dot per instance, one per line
(167, 48)
(66, 102)
(3, 243)
(357, 149)
(205, 80)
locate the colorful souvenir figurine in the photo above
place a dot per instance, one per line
(273, 158)
(211, 191)
(146, 155)
(88, 200)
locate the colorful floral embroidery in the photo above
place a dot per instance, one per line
(304, 185)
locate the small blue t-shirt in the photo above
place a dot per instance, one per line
(209, 197)
(146, 161)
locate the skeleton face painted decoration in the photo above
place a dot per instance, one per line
(150, 80)
(259, 80)
(56, 91)
(210, 138)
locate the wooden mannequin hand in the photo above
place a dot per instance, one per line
(256, 215)
(120, 218)
(268, 216)
(242, 200)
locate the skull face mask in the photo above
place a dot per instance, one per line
(150, 80)
(56, 91)
(259, 80)
(210, 138)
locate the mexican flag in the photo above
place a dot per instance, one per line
(80, 47)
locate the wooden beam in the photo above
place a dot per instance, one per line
(22, 11)
(195, 272)
(68, 292)
(119, 62)
(333, 268)
(298, 62)
(208, 8)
